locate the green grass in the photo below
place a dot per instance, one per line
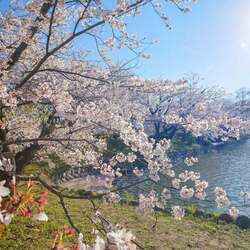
(190, 233)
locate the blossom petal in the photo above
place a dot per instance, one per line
(7, 219)
(40, 217)
(4, 191)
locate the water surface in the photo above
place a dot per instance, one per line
(227, 167)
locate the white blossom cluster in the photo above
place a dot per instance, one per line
(245, 194)
(221, 198)
(112, 197)
(200, 186)
(116, 235)
(152, 200)
(234, 212)
(198, 110)
(190, 161)
(5, 217)
(178, 212)
(148, 203)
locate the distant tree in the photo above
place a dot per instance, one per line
(187, 106)
(243, 96)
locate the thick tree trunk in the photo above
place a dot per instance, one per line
(26, 156)
(173, 130)
(157, 133)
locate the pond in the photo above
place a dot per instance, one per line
(227, 167)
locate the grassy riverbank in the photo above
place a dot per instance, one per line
(190, 233)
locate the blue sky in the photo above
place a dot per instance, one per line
(213, 41)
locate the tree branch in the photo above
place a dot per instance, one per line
(50, 25)
(81, 17)
(71, 38)
(61, 71)
(59, 140)
(15, 56)
(67, 214)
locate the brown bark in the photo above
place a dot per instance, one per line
(26, 156)
(15, 56)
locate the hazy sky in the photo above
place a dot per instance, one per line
(213, 41)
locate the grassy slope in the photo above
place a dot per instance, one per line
(190, 233)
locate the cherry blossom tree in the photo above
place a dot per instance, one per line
(188, 106)
(243, 96)
(61, 93)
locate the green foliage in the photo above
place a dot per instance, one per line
(217, 214)
(37, 168)
(191, 209)
(179, 145)
(43, 168)
(129, 198)
(60, 166)
(182, 140)
(115, 145)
